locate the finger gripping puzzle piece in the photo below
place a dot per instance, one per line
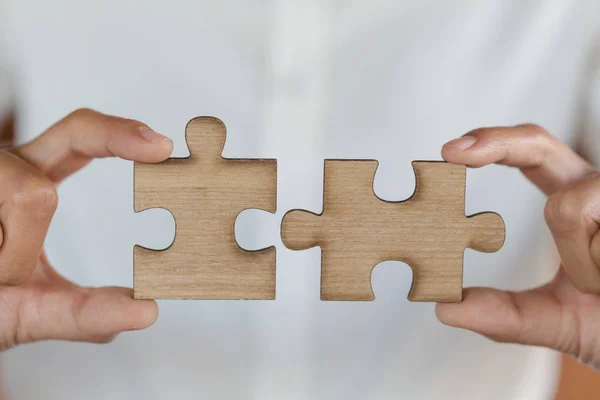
(205, 193)
(357, 230)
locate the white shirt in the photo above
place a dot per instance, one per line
(300, 82)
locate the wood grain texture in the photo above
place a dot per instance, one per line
(205, 193)
(357, 230)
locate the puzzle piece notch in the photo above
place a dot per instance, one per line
(205, 193)
(151, 220)
(357, 230)
(256, 229)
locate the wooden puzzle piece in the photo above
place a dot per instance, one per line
(357, 230)
(205, 193)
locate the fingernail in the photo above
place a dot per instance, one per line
(150, 135)
(464, 142)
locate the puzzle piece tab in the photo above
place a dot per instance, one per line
(357, 230)
(205, 193)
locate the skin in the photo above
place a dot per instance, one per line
(7, 131)
(563, 314)
(37, 303)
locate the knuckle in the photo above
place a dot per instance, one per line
(37, 193)
(536, 131)
(81, 112)
(538, 136)
(16, 278)
(584, 277)
(563, 211)
(542, 139)
(588, 287)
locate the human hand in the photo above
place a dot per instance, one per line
(36, 302)
(565, 313)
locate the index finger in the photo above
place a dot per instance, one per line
(546, 161)
(85, 134)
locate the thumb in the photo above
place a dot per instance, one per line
(76, 313)
(532, 317)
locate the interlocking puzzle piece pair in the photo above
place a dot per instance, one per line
(356, 231)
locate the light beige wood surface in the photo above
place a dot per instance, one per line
(205, 193)
(357, 230)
